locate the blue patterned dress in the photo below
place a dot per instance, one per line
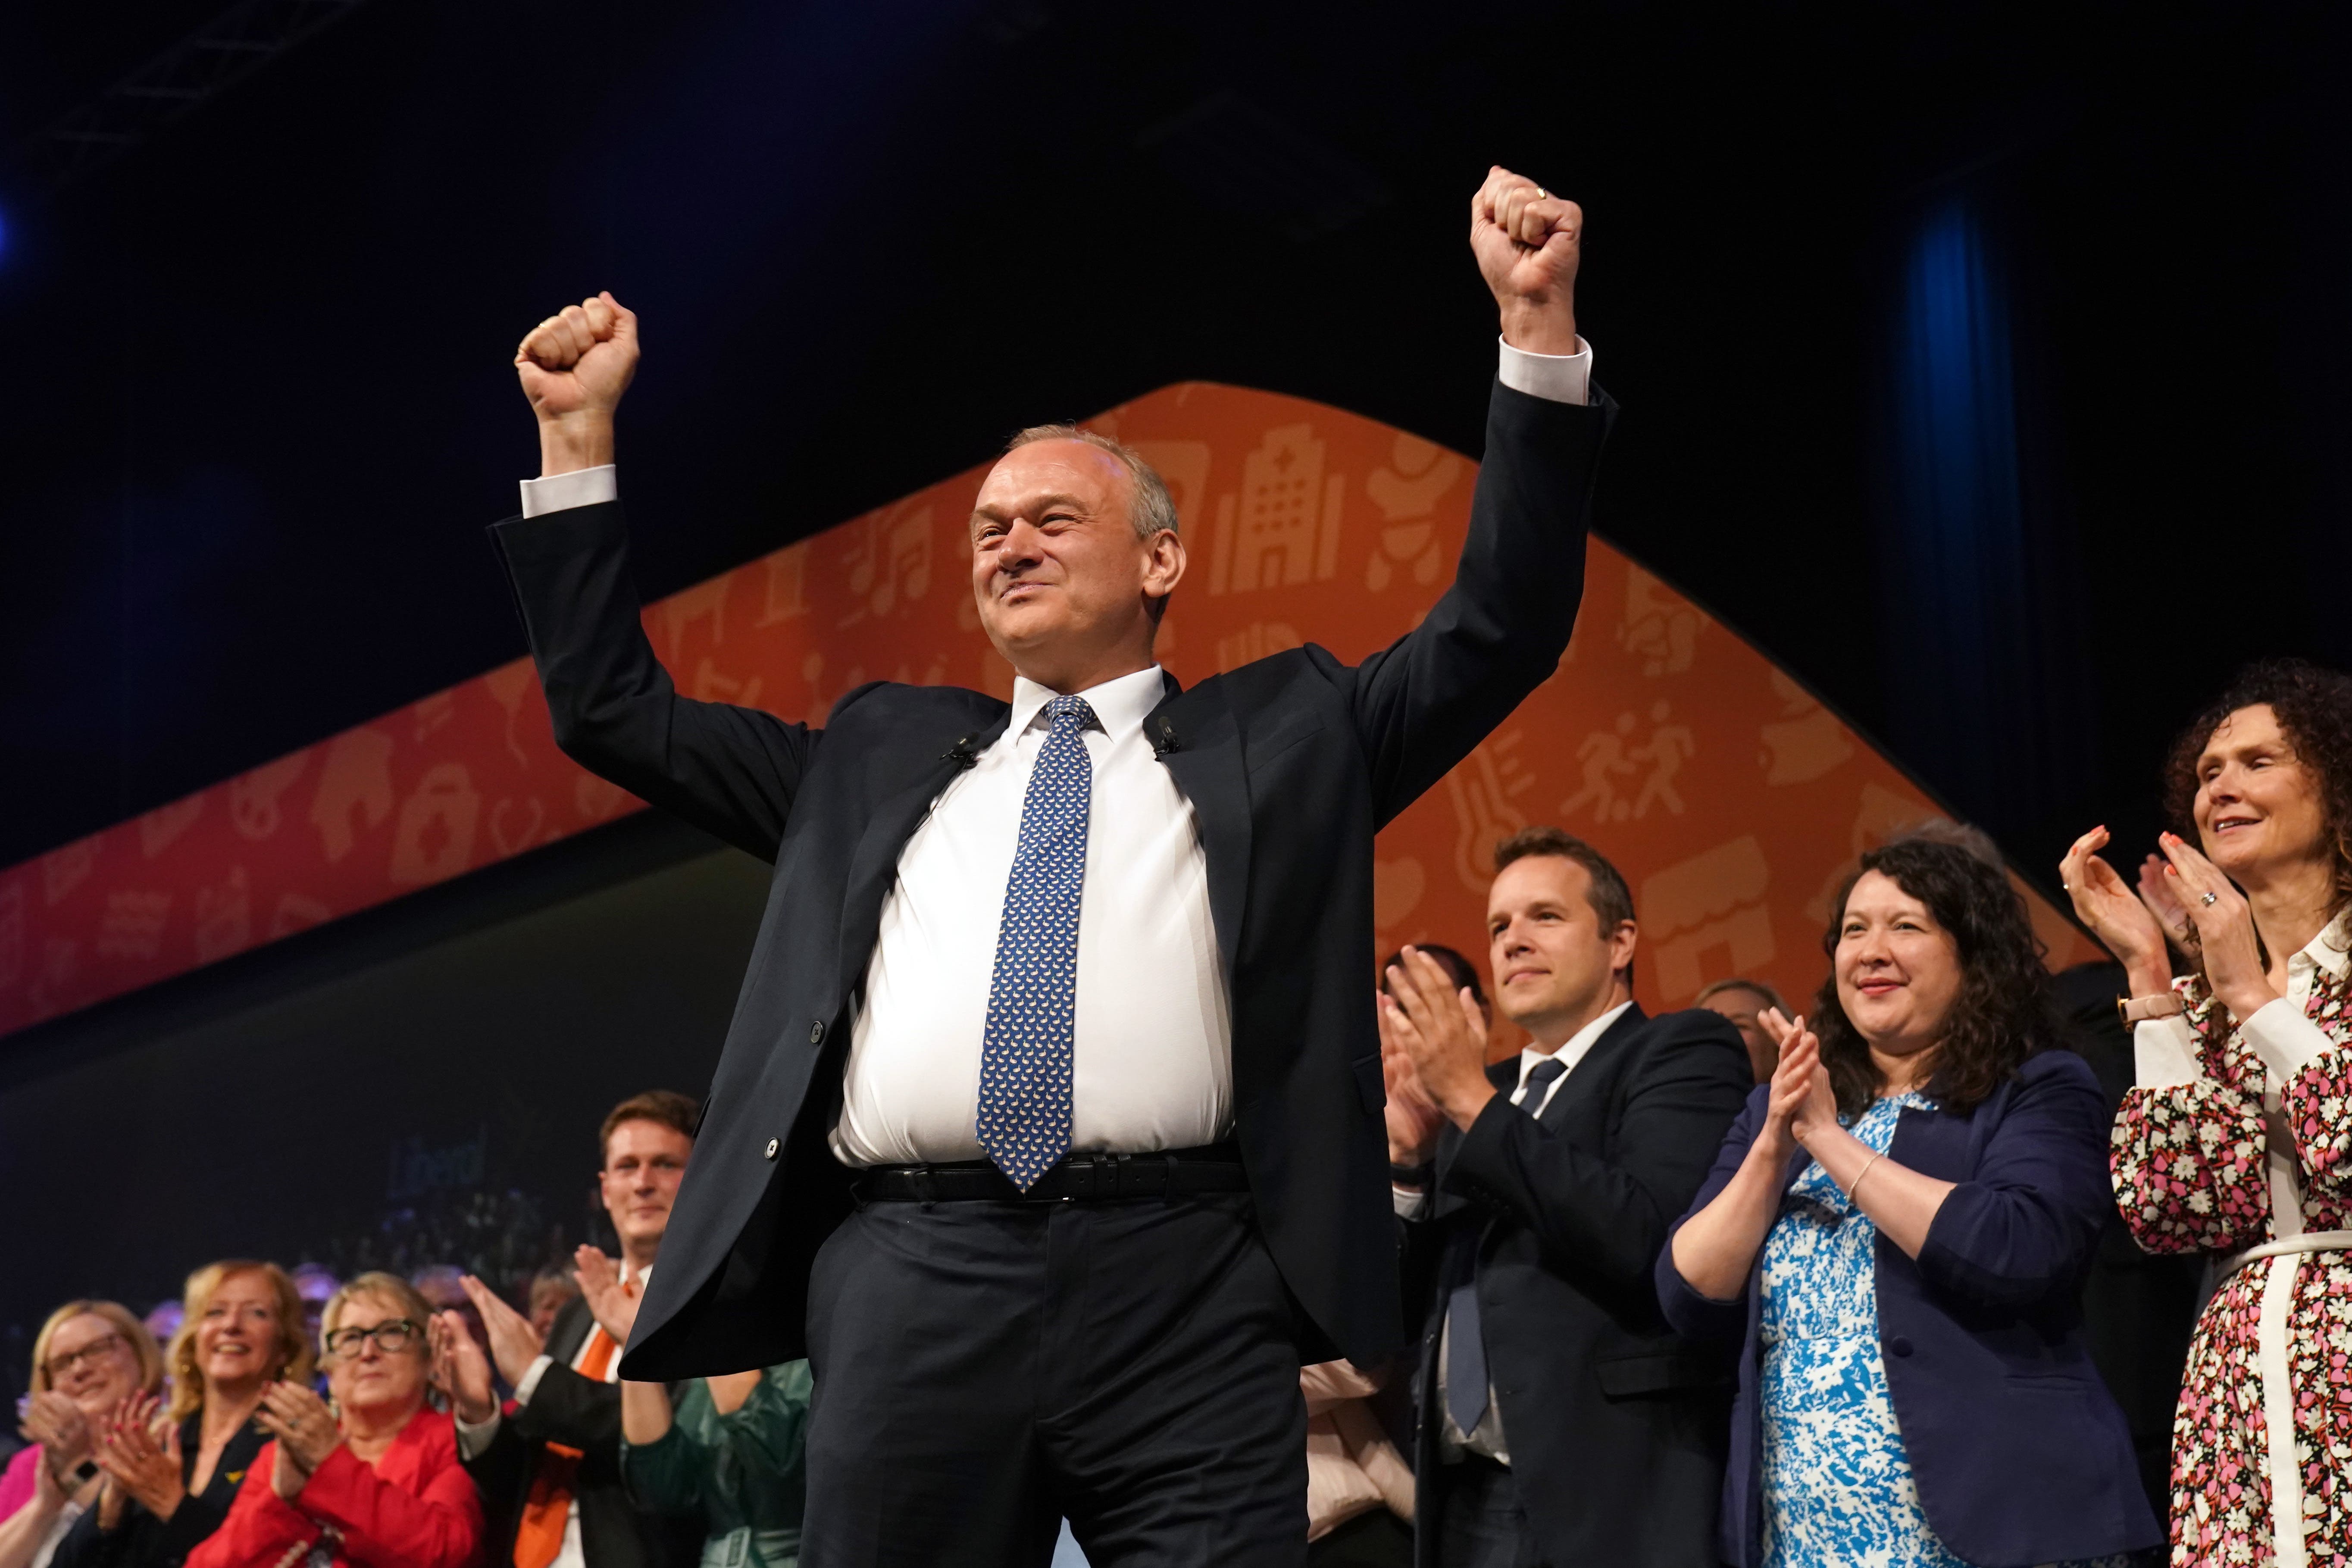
(1838, 1488)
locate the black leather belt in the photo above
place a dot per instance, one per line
(1171, 1173)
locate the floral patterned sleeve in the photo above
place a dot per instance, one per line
(2187, 1151)
(2305, 1055)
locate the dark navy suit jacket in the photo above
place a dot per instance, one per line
(1290, 763)
(2020, 1453)
(1617, 1420)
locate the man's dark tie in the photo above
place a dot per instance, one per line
(1465, 1349)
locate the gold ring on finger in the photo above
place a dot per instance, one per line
(1542, 194)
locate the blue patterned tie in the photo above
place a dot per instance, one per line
(1466, 1342)
(1024, 1052)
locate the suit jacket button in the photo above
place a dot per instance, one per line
(1898, 1345)
(816, 1032)
(772, 1146)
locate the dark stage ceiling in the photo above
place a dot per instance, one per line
(257, 405)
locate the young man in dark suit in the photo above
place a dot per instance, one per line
(1055, 1221)
(1536, 1195)
(549, 1470)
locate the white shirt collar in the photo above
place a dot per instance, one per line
(2331, 950)
(1121, 706)
(1574, 1051)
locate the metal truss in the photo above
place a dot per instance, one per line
(200, 66)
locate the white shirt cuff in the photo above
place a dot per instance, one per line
(473, 1438)
(2285, 1039)
(2164, 1053)
(1556, 378)
(582, 487)
(530, 1383)
(1409, 1203)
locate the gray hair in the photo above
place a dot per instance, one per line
(1154, 510)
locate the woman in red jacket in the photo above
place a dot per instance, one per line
(380, 1487)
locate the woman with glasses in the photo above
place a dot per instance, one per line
(90, 1357)
(174, 1473)
(374, 1481)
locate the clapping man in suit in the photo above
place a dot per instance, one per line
(1048, 1126)
(1536, 1195)
(549, 1472)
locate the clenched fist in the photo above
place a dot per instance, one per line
(1528, 242)
(573, 367)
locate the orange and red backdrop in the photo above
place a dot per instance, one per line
(1732, 799)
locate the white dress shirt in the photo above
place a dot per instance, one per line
(1151, 1054)
(473, 1438)
(2285, 1039)
(1451, 1441)
(1152, 1036)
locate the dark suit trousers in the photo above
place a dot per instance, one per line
(986, 1369)
(1484, 1525)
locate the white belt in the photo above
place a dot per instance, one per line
(2285, 1256)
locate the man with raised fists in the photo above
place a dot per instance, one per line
(1049, 1123)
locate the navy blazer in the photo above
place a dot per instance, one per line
(2020, 1453)
(1566, 1210)
(1291, 763)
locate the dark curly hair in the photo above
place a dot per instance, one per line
(2314, 705)
(2003, 1013)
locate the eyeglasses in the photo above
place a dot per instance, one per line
(59, 1367)
(391, 1338)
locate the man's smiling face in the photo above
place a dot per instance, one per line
(1057, 570)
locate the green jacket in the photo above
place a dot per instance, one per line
(743, 1474)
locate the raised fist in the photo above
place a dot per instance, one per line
(1528, 242)
(576, 364)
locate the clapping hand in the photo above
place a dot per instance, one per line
(1443, 1032)
(2128, 924)
(611, 1303)
(1528, 244)
(2224, 924)
(460, 1370)
(55, 1422)
(1413, 1119)
(514, 1343)
(1802, 1105)
(139, 1450)
(305, 1430)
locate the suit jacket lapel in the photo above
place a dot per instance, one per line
(1197, 737)
(874, 867)
(1589, 1076)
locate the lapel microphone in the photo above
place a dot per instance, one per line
(961, 753)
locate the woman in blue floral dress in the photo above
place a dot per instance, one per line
(1896, 1231)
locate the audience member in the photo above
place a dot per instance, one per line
(551, 1289)
(174, 1481)
(556, 1461)
(88, 1359)
(316, 1284)
(1464, 975)
(1742, 1001)
(443, 1286)
(731, 1451)
(2232, 1142)
(1915, 1390)
(1535, 1196)
(370, 1482)
(1358, 1487)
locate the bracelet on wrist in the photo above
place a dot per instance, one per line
(1418, 1176)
